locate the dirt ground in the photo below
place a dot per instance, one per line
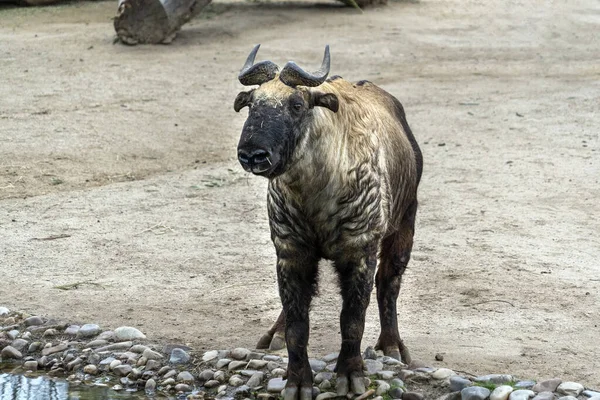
(130, 151)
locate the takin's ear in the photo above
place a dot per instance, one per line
(327, 100)
(242, 100)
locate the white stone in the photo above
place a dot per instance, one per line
(521, 394)
(442, 373)
(210, 355)
(124, 333)
(570, 389)
(501, 392)
(4, 311)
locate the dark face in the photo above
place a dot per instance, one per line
(275, 126)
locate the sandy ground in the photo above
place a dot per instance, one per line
(130, 151)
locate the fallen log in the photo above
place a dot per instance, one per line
(154, 21)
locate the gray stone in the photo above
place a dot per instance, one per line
(50, 332)
(90, 369)
(19, 344)
(222, 390)
(255, 380)
(331, 357)
(106, 335)
(442, 373)
(150, 385)
(276, 385)
(386, 374)
(232, 366)
(370, 354)
(107, 361)
(544, 396)
(549, 385)
(248, 372)
(223, 362)
(322, 376)
(179, 356)
(114, 347)
(210, 355)
(278, 372)
(185, 376)
(474, 393)
(257, 364)
(255, 355)
(168, 381)
(522, 394)
(88, 330)
(405, 374)
(236, 381)
(206, 375)
(74, 364)
(391, 361)
(124, 333)
(458, 383)
(13, 334)
(317, 365)
(122, 370)
(182, 387)
(72, 330)
(567, 398)
(325, 385)
(590, 393)
(152, 365)
(497, 379)
(524, 384)
(35, 346)
(382, 387)
(4, 311)
(151, 354)
(138, 348)
(239, 353)
(54, 349)
(272, 358)
(330, 367)
(412, 396)
(326, 395)
(570, 389)
(97, 343)
(220, 376)
(501, 392)
(115, 364)
(372, 366)
(396, 392)
(594, 397)
(33, 321)
(31, 365)
(241, 391)
(211, 384)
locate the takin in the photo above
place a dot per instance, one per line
(343, 169)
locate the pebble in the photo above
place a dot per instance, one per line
(370, 354)
(373, 366)
(232, 366)
(426, 370)
(223, 362)
(242, 391)
(13, 334)
(90, 369)
(570, 389)
(590, 393)
(179, 356)
(124, 333)
(386, 374)
(276, 385)
(331, 357)
(524, 384)
(257, 364)
(326, 395)
(4, 311)
(168, 381)
(240, 353)
(248, 372)
(220, 376)
(521, 394)
(97, 343)
(210, 355)
(317, 365)
(406, 373)
(19, 344)
(206, 375)
(152, 365)
(72, 330)
(547, 386)
(107, 335)
(501, 392)
(115, 346)
(150, 385)
(498, 379)
(169, 374)
(117, 388)
(272, 358)
(325, 385)
(114, 364)
(442, 373)
(236, 381)
(412, 396)
(122, 370)
(322, 376)
(255, 355)
(74, 364)
(138, 348)
(50, 332)
(397, 382)
(107, 361)
(544, 396)
(396, 393)
(391, 361)
(211, 384)
(54, 349)
(255, 380)
(277, 372)
(151, 354)
(567, 398)
(88, 330)
(182, 387)
(222, 388)
(458, 383)
(33, 321)
(382, 387)
(474, 393)
(31, 365)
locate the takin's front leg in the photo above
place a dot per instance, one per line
(297, 278)
(356, 281)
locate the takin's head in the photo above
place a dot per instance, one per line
(279, 112)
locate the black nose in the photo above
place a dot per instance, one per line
(253, 157)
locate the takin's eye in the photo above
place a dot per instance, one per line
(297, 106)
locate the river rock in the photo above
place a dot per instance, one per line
(442, 373)
(97, 343)
(590, 393)
(90, 369)
(31, 365)
(232, 366)
(152, 355)
(168, 381)
(257, 364)
(72, 330)
(370, 354)
(182, 387)
(387, 375)
(372, 366)
(210, 355)
(33, 321)
(524, 384)
(497, 379)
(4, 311)
(220, 376)
(115, 364)
(567, 398)
(412, 396)
(317, 365)
(170, 374)
(11, 352)
(185, 376)
(236, 381)
(239, 353)
(211, 384)
(106, 335)
(150, 385)
(88, 330)
(179, 356)
(322, 376)
(331, 357)
(19, 344)
(474, 393)
(501, 392)
(521, 394)
(278, 372)
(396, 392)
(382, 387)
(458, 383)
(255, 380)
(570, 389)
(270, 357)
(122, 370)
(549, 385)
(326, 395)
(152, 365)
(276, 385)
(124, 333)
(223, 362)
(544, 396)
(13, 334)
(206, 375)
(54, 349)
(325, 385)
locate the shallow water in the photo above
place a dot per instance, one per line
(21, 387)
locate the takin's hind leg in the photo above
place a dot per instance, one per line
(274, 339)
(393, 259)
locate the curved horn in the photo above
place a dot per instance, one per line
(292, 75)
(256, 74)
